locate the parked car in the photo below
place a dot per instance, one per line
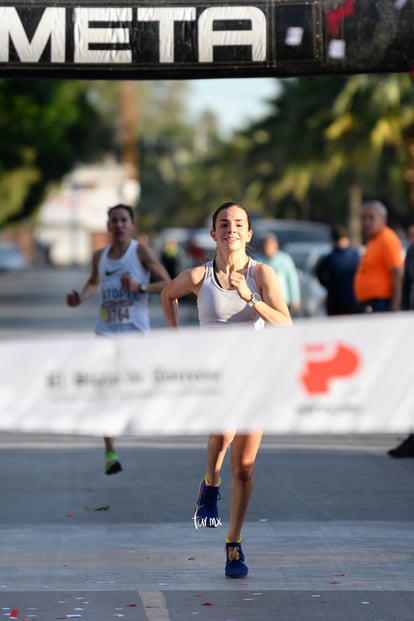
(289, 231)
(306, 255)
(307, 240)
(12, 258)
(201, 246)
(175, 238)
(194, 245)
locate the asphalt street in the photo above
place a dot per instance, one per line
(328, 535)
(34, 303)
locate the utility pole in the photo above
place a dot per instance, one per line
(128, 116)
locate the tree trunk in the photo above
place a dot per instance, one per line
(128, 113)
(409, 169)
(355, 203)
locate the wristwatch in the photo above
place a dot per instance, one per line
(255, 299)
(143, 288)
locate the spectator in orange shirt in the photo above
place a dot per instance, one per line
(378, 279)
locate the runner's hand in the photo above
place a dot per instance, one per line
(128, 283)
(239, 283)
(73, 298)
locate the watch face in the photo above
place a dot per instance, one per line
(255, 299)
(144, 287)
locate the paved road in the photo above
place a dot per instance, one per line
(34, 303)
(328, 536)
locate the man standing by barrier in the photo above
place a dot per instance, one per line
(336, 272)
(406, 448)
(378, 279)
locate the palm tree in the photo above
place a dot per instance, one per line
(366, 136)
(337, 130)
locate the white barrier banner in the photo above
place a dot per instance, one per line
(349, 375)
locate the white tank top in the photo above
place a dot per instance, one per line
(219, 307)
(122, 311)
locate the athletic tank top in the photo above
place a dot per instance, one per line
(122, 311)
(219, 307)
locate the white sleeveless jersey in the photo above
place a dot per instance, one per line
(220, 307)
(122, 311)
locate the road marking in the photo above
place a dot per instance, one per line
(155, 605)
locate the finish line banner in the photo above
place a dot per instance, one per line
(183, 40)
(329, 376)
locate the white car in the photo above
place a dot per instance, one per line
(12, 258)
(306, 255)
(290, 231)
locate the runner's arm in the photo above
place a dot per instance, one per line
(75, 297)
(189, 281)
(150, 261)
(273, 308)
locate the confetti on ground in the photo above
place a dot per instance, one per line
(130, 605)
(14, 614)
(206, 604)
(101, 508)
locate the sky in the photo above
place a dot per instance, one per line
(235, 101)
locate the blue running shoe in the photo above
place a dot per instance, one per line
(206, 511)
(235, 565)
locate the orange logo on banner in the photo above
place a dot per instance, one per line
(320, 371)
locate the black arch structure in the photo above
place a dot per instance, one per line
(146, 40)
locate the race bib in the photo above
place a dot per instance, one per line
(115, 313)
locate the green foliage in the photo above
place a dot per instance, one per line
(45, 126)
(325, 136)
